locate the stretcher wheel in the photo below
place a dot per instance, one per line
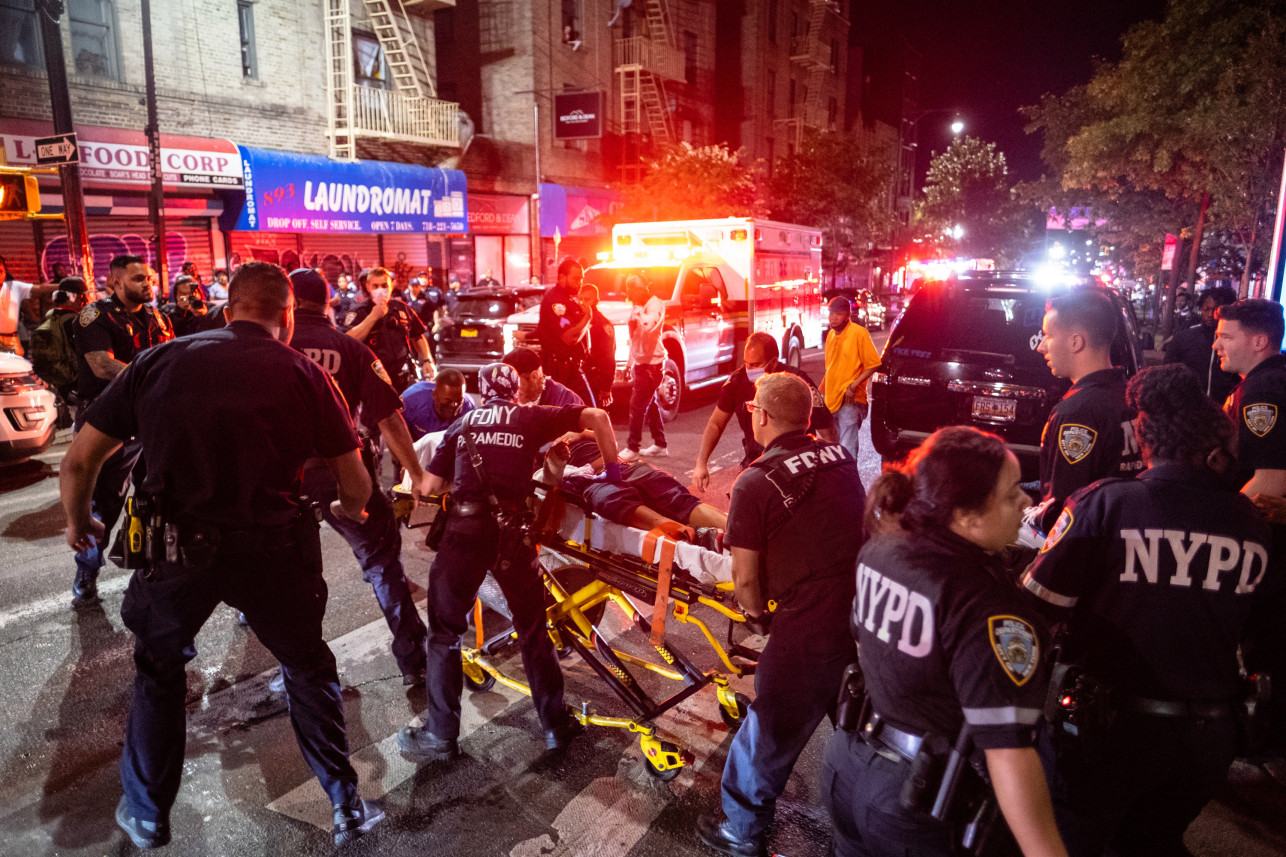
(574, 577)
(478, 685)
(734, 721)
(664, 776)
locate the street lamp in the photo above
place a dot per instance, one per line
(957, 126)
(909, 142)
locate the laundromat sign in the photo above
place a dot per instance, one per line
(119, 156)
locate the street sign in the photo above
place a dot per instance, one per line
(59, 149)
(1167, 254)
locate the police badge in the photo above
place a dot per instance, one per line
(1016, 647)
(87, 315)
(1260, 418)
(1075, 441)
(559, 310)
(378, 368)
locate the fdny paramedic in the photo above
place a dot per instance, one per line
(760, 357)
(480, 537)
(1087, 436)
(951, 659)
(1248, 341)
(1155, 578)
(376, 541)
(794, 530)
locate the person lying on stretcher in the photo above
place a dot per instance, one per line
(644, 498)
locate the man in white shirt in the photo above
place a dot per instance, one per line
(647, 357)
(12, 294)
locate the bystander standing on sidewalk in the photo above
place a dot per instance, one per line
(647, 357)
(851, 359)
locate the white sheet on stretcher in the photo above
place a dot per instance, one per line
(705, 565)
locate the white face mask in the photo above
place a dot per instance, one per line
(756, 374)
(379, 296)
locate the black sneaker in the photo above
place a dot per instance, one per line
(355, 819)
(560, 736)
(84, 591)
(144, 834)
(418, 743)
(716, 833)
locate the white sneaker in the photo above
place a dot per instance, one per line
(655, 451)
(628, 455)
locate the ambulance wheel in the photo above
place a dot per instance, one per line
(794, 352)
(743, 708)
(656, 773)
(670, 392)
(487, 682)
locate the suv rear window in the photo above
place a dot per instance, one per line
(491, 306)
(971, 326)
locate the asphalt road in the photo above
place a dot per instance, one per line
(65, 681)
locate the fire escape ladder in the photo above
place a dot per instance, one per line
(401, 48)
(339, 80)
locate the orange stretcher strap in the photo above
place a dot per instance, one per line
(477, 621)
(666, 533)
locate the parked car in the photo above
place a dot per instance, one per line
(868, 310)
(28, 413)
(471, 335)
(964, 352)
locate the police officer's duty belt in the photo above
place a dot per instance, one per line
(881, 736)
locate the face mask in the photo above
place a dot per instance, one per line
(756, 374)
(379, 296)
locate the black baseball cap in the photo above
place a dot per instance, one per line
(310, 286)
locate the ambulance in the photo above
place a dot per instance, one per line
(720, 280)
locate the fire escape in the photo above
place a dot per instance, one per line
(813, 56)
(643, 64)
(409, 112)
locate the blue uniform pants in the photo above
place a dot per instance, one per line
(283, 595)
(467, 553)
(377, 545)
(108, 500)
(793, 691)
(861, 789)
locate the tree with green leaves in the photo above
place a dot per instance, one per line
(839, 185)
(968, 186)
(690, 182)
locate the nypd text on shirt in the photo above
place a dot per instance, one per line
(887, 607)
(1222, 555)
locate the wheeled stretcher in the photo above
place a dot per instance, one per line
(588, 562)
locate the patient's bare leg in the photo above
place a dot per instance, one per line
(708, 516)
(644, 518)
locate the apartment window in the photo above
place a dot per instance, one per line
(689, 56)
(93, 38)
(20, 34)
(246, 21)
(369, 67)
(770, 157)
(834, 56)
(495, 20)
(770, 95)
(772, 21)
(571, 24)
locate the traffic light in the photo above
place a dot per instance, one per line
(19, 195)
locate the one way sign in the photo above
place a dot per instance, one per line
(60, 149)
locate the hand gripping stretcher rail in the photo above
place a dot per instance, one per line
(587, 562)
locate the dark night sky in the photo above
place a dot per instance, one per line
(989, 58)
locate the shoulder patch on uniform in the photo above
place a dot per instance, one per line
(87, 315)
(350, 318)
(378, 368)
(1260, 418)
(1075, 441)
(1059, 529)
(559, 310)
(1016, 646)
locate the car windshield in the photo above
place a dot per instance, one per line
(971, 326)
(611, 281)
(492, 306)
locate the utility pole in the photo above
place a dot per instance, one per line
(81, 256)
(155, 199)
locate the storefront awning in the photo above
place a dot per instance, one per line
(117, 157)
(289, 192)
(576, 211)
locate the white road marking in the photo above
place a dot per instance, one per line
(59, 603)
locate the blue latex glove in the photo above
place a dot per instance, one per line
(611, 472)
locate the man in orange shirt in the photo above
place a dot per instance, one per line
(851, 359)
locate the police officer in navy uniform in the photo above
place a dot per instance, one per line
(794, 530)
(563, 319)
(377, 543)
(1087, 436)
(226, 524)
(1248, 341)
(391, 329)
(1155, 578)
(507, 437)
(761, 357)
(951, 658)
(108, 335)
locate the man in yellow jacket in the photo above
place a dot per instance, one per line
(851, 359)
